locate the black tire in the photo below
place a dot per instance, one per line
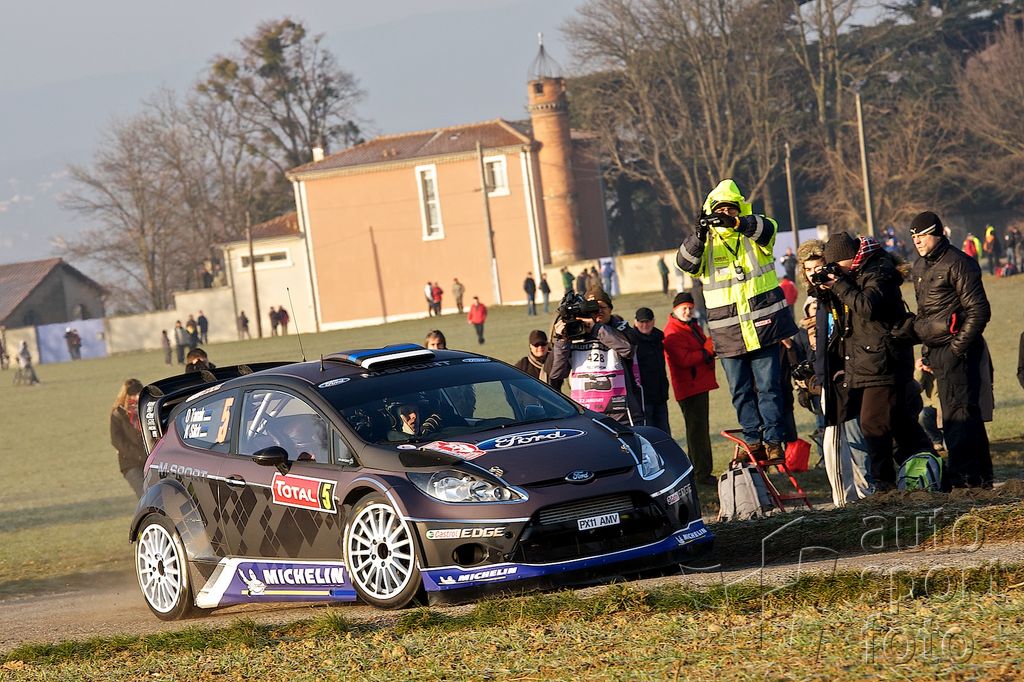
(161, 566)
(380, 554)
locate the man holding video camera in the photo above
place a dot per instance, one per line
(877, 351)
(731, 251)
(592, 349)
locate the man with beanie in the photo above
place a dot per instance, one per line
(731, 250)
(877, 353)
(691, 361)
(952, 312)
(650, 358)
(538, 362)
(600, 363)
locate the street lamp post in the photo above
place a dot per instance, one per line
(864, 167)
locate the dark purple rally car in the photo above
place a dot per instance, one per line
(384, 474)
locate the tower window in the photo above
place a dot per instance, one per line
(538, 88)
(496, 175)
(430, 202)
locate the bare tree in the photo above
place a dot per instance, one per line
(991, 89)
(134, 237)
(683, 93)
(289, 91)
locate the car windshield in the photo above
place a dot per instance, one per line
(442, 400)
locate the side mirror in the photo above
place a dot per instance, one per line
(273, 456)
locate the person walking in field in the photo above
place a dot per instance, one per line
(284, 318)
(165, 345)
(545, 292)
(477, 317)
(458, 291)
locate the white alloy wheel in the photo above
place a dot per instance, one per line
(380, 554)
(162, 568)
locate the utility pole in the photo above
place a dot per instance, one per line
(252, 271)
(792, 200)
(864, 168)
(487, 221)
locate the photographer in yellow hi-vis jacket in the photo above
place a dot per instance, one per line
(731, 251)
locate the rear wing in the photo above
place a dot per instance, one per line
(158, 399)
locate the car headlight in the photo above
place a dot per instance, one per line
(459, 486)
(651, 463)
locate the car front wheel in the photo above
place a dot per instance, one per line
(162, 568)
(380, 554)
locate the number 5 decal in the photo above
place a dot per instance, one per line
(225, 420)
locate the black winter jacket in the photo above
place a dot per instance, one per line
(650, 356)
(947, 283)
(872, 356)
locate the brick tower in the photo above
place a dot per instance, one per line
(549, 116)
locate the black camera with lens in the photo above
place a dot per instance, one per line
(574, 306)
(803, 371)
(826, 273)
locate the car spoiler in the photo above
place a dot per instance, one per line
(159, 398)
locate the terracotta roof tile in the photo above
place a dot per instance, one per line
(423, 144)
(282, 226)
(17, 280)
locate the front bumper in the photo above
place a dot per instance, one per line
(457, 583)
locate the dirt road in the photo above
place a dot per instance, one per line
(113, 605)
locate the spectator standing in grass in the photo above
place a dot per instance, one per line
(991, 249)
(530, 287)
(180, 341)
(458, 291)
(275, 320)
(663, 273)
(204, 327)
(28, 372)
(437, 296)
(126, 435)
(878, 358)
(537, 362)
(567, 280)
(243, 326)
(650, 357)
(284, 318)
(165, 344)
(581, 281)
(788, 262)
(192, 327)
(477, 317)
(952, 313)
(428, 293)
(545, 292)
(691, 362)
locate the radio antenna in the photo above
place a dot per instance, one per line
(297, 334)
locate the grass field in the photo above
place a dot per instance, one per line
(65, 508)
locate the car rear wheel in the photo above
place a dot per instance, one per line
(380, 554)
(162, 568)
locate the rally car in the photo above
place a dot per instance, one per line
(393, 474)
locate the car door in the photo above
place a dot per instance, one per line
(269, 513)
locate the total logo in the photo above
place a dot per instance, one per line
(524, 438)
(304, 492)
(480, 576)
(459, 533)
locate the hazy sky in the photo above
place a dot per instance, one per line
(69, 68)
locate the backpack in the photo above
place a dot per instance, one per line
(922, 471)
(743, 494)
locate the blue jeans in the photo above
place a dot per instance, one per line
(755, 382)
(531, 306)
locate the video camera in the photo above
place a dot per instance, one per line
(825, 274)
(574, 306)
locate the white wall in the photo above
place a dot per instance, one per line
(272, 280)
(142, 332)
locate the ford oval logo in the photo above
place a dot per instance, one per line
(579, 476)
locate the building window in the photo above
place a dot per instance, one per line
(496, 175)
(267, 259)
(430, 202)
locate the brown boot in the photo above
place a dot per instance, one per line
(776, 452)
(757, 450)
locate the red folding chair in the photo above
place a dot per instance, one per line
(742, 450)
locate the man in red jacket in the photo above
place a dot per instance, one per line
(691, 362)
(476, 317)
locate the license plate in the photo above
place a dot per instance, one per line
(599, 521)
